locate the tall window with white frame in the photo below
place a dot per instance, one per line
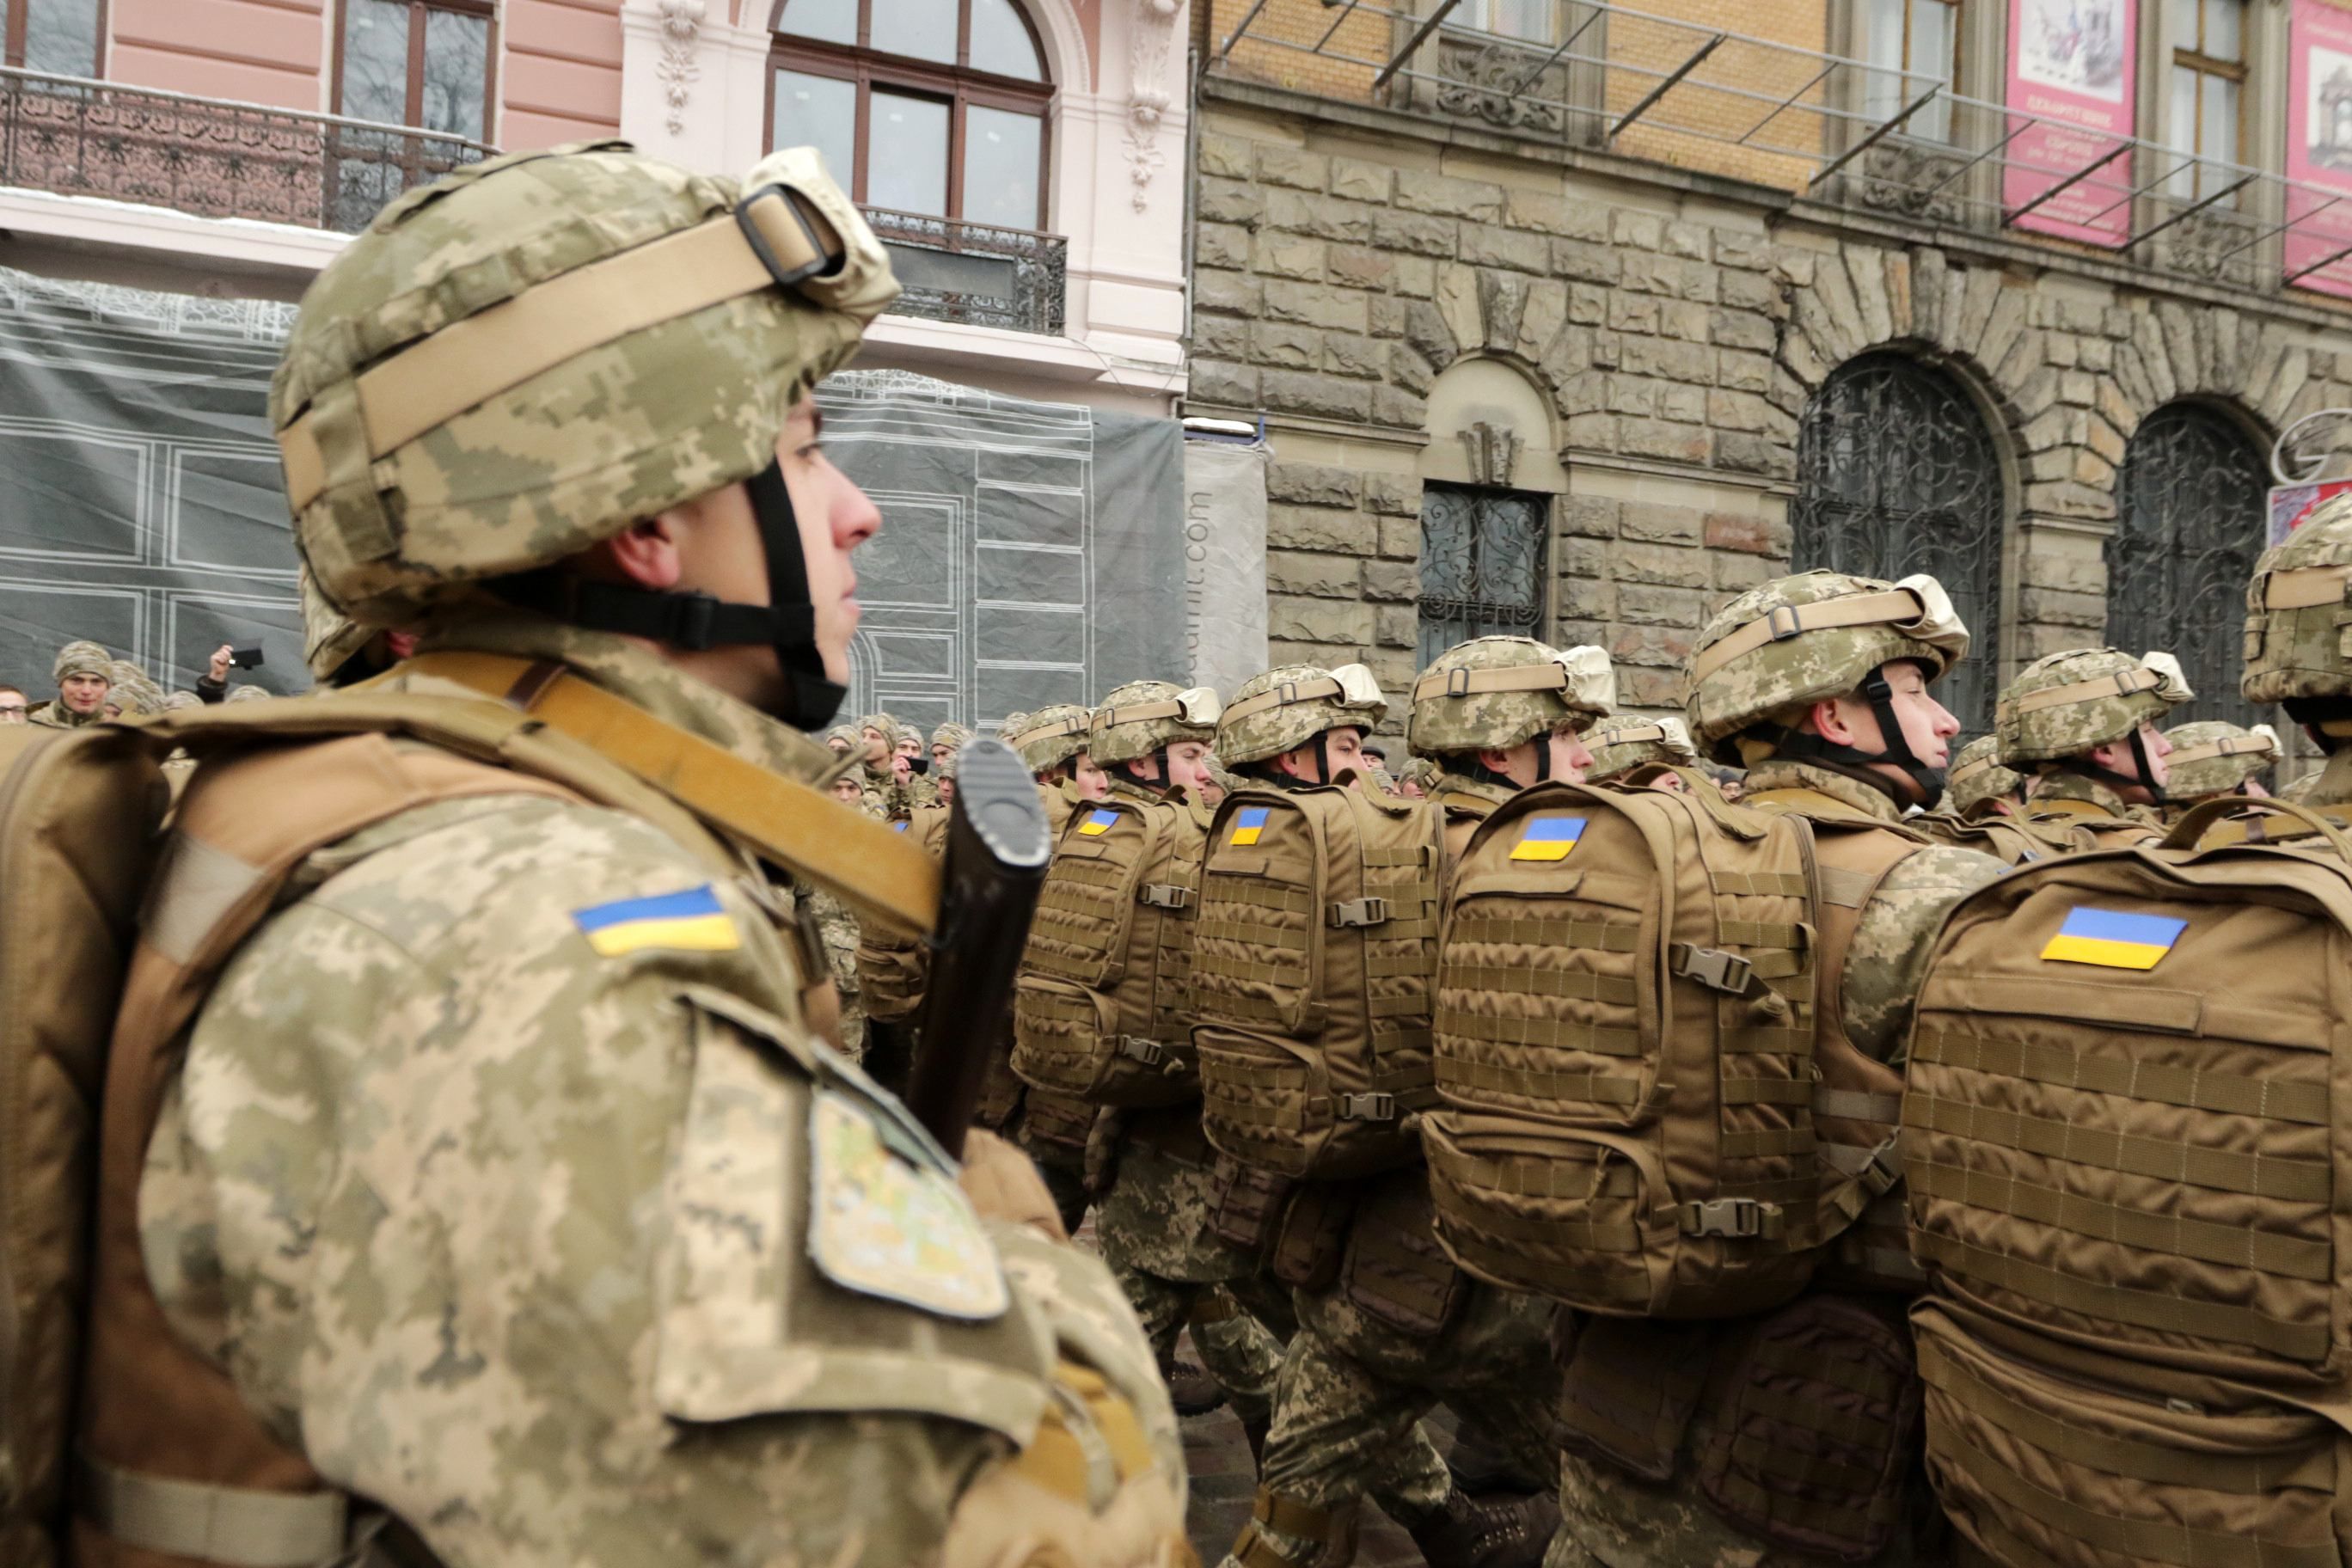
(2206, 91)
(59, 37)
(1910, 45)
(420, 64)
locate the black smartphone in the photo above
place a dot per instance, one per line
(245, 659)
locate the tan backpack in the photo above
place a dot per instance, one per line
(1312, 967)
(2130, 1182)
(1645, 1113)
(1101, 1010)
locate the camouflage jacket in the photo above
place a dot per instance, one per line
(559, 1235)
(55, 715)
(2091, 811)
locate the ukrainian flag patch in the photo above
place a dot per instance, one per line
(1098, 823)
(1548, 837)
(2113, 939)
(690, 922)
(899, 827)
(1248, 822)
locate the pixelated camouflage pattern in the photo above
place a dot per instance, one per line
(1271, 731)
(1987, 783)
(2088, 807)
(1135, 738)
(2300, 652)
(1050, 736)
(2187, 782)
(957, 736)
(1809, 668)
(2071, 729)
(621, 431)
(83, 659)
(1611, 756)
(1423, 771)
(132, 691)
(330, 637)
(1445, 726)
(484, 1223)
(1880, 988)
(837, 929)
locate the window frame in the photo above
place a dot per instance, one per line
(487, 10)
(1905, 68)
(2193, 58)
(958, 85)
(12, 48)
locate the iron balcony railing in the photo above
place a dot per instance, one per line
(211, 157)
(975, 273)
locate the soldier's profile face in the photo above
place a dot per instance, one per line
(1089, 776)
(834, 517)
(1570, 755)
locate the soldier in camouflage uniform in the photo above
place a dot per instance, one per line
(947, 740)
(2294, 652)
(131, 691)
(2080, 727)
(1624, 742)
(1833, 722)
(842, 739)
(81, 672)
(1988, 813)
(1053, 742)
(499, 1180)
(1353, 1391)
(916, 787)
(2213, 758)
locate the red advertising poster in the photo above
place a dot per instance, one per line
(2070, 63)
(2319, 147)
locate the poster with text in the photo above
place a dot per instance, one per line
(2070, 67)
(2319, 147)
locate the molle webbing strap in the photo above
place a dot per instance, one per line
(2164, 1159)
(2304, 1103)
(437, 378)
(1549, 676)
(2123, 683)
(1283, 696)
(1889, 607)
(2305, 587)
(865, 864)
(1079, 725)
(1635, 735)
(236, 1526)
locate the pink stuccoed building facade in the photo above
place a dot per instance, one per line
(1024, 159)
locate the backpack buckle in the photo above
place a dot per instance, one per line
(1713, 968)
(1165, 896)
(1883, 1173)
(1368, 1108)
(1151, 1053)
(1742, 1219)
(1360, 913)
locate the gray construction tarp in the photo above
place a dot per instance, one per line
(1031, 552)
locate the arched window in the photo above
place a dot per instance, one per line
(1898, 474)
(932, 108)
(2190, 507)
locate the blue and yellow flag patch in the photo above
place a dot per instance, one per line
(1548, 837)
(899, 827)
(2113, 939)
(1098, 823)
(1248, 822)
(690, 922)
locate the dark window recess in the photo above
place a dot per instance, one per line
(1482, 564)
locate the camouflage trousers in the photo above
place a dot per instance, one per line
(1062, 1168)
(1348, 1407)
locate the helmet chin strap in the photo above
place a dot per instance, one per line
(1898, 753)
(696, 621)
(2146, 779)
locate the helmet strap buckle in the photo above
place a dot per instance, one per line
(1784, 622)
(1457, 683)
(785, 276)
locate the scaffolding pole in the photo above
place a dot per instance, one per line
(1878, 133)
(1649, 98)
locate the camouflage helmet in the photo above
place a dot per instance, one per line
(1808, 638)
(330, 637)
(1051, 736)
(1499, 692)
(2064, 704)
(2296, 608)
(2212, 757)
(1291, 705)
(83, 659)
(532, 353)
(181, 699)
(131, 691)
(955, 737)
(1143, 716)
(1626, 742)
(1421, 771)
(1977, 776)
(246, 694)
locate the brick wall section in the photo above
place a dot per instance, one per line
(1334, 285)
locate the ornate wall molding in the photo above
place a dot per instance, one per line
(681, 29)
(1149, 93)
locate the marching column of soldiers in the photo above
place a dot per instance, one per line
(455, 1119)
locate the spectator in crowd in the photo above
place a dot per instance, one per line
(213, 685)
(14, 706)
(81, 672)
(247, 694)
(130, 691)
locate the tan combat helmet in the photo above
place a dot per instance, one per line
(1144, 717)
(1051, 736)
(1621, 743)
(1290, 705)
(1977, 776)
(486, 382)
(2212, 757)
(1495, 692)
(1778, 648)
(2063, 705)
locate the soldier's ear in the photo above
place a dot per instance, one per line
(644, 553)
(1827, 720)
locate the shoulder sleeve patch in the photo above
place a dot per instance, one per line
(882, 1225)
(691, 921)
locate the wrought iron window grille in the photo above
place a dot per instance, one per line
(975, 273)
(1482, 564)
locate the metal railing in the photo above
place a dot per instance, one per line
(1823, 127)
(211, 157)
(976, 274)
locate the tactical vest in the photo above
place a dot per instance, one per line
(1651, 1108)
(2091, 824)
(2130, 1184)
(1312, 965)
(1101, 1010)
(2011, 840)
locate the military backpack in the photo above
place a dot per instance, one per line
(1313, 959)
